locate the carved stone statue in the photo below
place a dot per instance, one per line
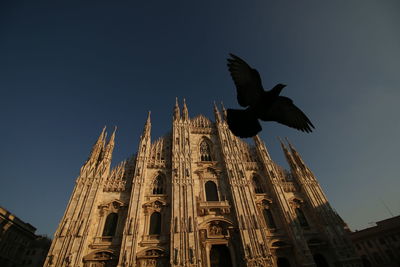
(68, 259)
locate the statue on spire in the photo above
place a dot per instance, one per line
(176, 115)
(147, 126)
(185, 110)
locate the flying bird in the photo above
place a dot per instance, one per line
(260, 104)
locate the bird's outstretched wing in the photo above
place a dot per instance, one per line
(247, 80)
(284, 111)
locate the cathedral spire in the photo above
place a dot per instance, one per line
(109, 149)
(223, 110)
(147, 126)
(296, 155)
(177, 114)
(96, 155)
(216, 113)
(288, 155)
(104, 140)
(98, 146)
(102, 133)
(261, 147)
(100, 140)
(185, 113)
(112, 138)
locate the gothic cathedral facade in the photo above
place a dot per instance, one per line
(202, 197)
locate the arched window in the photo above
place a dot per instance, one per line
(158, 185)
(155, 224)
(269, 219)
(257, 185)
(301, 217)
(211, 191)
(205, 151)
(111, 224)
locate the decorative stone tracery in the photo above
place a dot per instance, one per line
(155, 205)
(152, 257)
(158, 186)
(100, 258)
(205, 150)
(215, 229)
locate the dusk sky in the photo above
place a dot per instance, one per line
(67, 68)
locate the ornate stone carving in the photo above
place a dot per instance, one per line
(50, 259)
(155, 205)
(68, 259)
(117, 180)
(113, 206)
(215, 229)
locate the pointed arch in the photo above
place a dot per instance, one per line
(205, 150)
(158, 185)
(218, 219)
(155, 223)
(110, 225)
(211, 191)
(156, 248)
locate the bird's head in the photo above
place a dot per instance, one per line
(278, 88)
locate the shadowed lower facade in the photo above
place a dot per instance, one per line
(199, 196)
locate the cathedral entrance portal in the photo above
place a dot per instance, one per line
(220, 256)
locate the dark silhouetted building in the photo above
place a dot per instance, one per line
(379, 245)
(19, 245)
(37, 252)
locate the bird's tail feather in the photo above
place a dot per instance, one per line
(243, 123)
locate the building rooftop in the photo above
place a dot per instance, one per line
(17, 221)
(387, 225)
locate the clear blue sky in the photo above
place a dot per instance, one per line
(67, 68)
